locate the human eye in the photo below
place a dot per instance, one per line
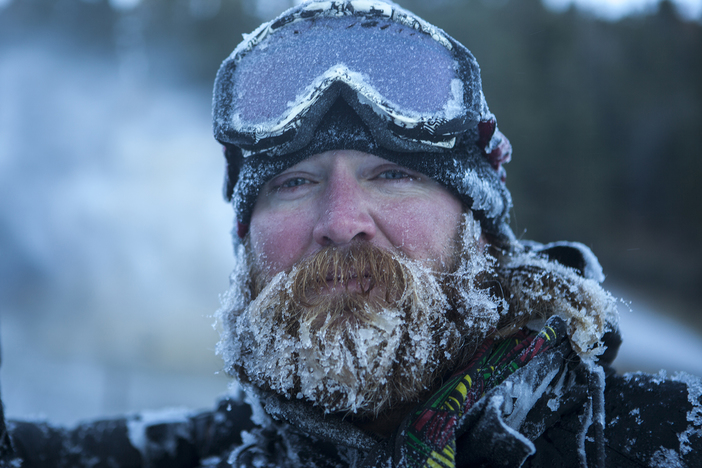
(292, 183)
(395, 174)
(289, 186)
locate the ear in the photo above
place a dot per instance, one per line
(483, 241)
(241, 229)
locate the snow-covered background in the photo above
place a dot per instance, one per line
(114, 238)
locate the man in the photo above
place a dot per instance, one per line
(382, 312)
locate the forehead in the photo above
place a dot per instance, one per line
(360, 161)
(359, 157)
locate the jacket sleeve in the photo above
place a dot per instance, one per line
(134, 441)
(654, 420)
(650, 421)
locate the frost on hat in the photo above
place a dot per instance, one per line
(471, 169)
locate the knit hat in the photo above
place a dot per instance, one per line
(366, 76)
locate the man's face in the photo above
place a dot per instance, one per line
(359, 287)
(338, 197)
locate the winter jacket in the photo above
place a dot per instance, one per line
(558, 411)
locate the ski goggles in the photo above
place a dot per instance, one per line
(416, 88)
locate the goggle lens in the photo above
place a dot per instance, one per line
(408, 70)
(408, 77)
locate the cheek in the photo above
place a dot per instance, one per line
(279, 239)
(424, 229)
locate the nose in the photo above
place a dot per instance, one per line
(345, 213)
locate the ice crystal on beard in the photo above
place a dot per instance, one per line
(233, 301)
(478, 308)
(345, 373)
(363, 369)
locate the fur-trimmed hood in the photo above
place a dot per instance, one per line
(563, 279)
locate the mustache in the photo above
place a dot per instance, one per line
(316, 292)
(369, 267)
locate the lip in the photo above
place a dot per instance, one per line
(351, 285)
(350, 275)
(351, 282)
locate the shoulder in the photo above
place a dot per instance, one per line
(654, 419)
(174, 439)
(160, 438)
(574, 255)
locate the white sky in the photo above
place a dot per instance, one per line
(614, 9)
(610, 9)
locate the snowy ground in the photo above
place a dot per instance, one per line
(654, 341)
(39, 384)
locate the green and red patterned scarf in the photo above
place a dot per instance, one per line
(430, 438)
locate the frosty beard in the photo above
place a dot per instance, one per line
(385, 341)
